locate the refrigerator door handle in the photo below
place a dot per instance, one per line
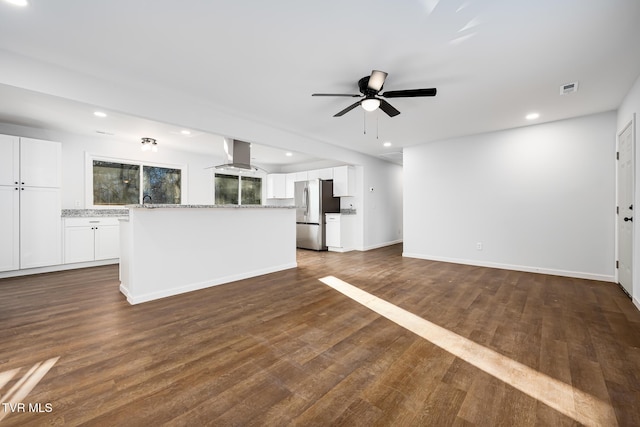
(306, 202)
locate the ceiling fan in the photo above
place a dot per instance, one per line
(370, 87)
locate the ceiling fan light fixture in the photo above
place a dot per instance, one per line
(370, 104)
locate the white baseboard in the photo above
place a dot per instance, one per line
(528, 269)
(382, 245)
(201, 285)
(59, 267)
(636, 302)
(337, 249)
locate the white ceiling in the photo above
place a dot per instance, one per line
(492, 61)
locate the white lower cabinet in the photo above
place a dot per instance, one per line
(339, 232)
(333, 230)
(91, 239)
(107, 242)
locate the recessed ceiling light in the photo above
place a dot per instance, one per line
(288, 154)
(185, 132)
(387, 144)
(532, 116)
(18, 2)
(99, 114)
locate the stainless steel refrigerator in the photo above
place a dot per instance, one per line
(314, 198)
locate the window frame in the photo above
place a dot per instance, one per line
(240, 177)
(89, 158)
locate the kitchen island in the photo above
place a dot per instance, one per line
(167, 250)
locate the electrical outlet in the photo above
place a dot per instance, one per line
(479, 246)
(77, 203)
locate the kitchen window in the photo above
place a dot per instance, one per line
(229, 189)
(115, 183)
(118, 183)
(162, 185)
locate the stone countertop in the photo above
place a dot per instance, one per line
(158, 206)
(80, 213)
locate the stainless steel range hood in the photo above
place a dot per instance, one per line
(238, 155)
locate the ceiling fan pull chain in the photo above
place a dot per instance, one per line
(364, 122)
(377, 127)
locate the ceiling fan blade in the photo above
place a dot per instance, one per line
(388, 108)
(376, 80)
(336, 94)
(409, 93)
(346, 110)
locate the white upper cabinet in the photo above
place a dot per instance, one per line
(40, 163)
(344, 182)
(9, 160)
(30, 162)
(276, 186)
(280, 185)
(326, 173)
(290, 185)
(301, 176)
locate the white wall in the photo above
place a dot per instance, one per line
(631, 106)
(383, 205)
(539, 198)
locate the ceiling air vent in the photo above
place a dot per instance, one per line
(569, 88)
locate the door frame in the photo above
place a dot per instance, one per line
(632, 125)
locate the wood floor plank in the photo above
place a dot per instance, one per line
(285, 349)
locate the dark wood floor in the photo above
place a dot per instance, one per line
(285, 349)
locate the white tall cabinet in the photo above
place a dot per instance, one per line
(30, 204)
(9, 227)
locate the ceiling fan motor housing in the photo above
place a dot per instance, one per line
(363, 85)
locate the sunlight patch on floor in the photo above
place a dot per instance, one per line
(580, 406)
(23, 386)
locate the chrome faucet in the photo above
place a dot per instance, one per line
(145, 198)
